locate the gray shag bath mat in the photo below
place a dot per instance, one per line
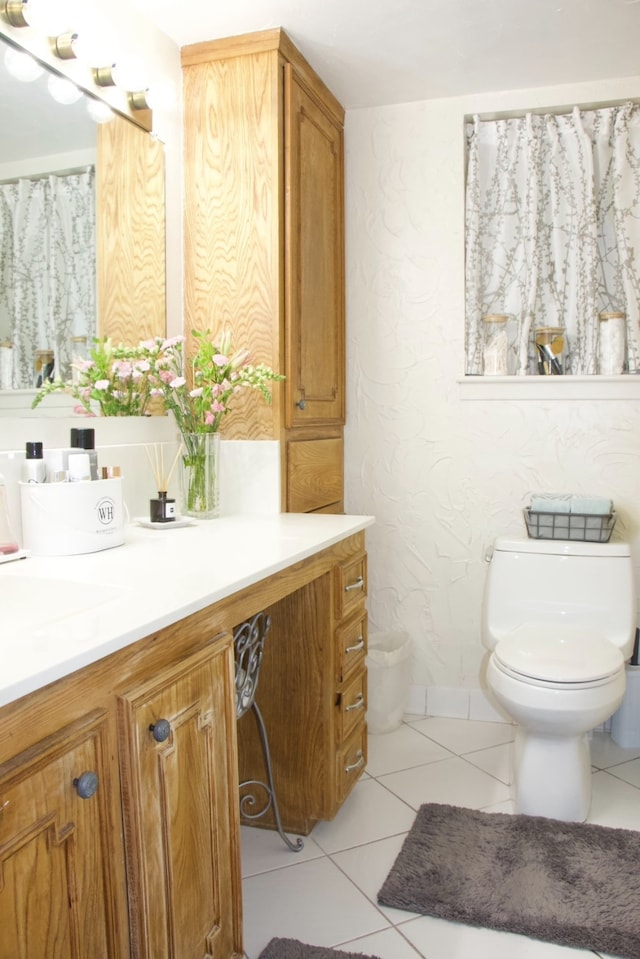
(574, 884)
(292, 949)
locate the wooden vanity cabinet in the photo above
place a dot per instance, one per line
(147, 865)
(312, 693)
(180, 808)
(264, 245)
(61, 878)
(120, 821)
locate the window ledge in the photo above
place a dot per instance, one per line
(549, 387)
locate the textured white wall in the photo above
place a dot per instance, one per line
(444, 474)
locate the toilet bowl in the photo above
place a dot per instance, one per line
(559, 620)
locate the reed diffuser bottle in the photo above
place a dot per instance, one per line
(162, 509)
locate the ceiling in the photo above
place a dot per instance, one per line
(376, 52)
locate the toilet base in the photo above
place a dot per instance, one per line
(552, 775)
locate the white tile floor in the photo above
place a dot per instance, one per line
(326, 894)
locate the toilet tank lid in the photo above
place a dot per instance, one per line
(560, 547)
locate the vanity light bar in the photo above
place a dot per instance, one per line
(13, 11)
(139, 100)
(63, 46)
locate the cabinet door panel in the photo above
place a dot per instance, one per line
(314, 263)
(314, 474)
(58, 896)
(180, 807)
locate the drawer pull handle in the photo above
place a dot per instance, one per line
(358, 646)
(359, 584)
(357, 764)
(161, 730)
(86, 785)
(301, 404)
(359, 703)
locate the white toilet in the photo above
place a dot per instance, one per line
(559, 618)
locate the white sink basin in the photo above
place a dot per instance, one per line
(32, 603)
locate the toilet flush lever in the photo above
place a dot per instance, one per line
(488, 556)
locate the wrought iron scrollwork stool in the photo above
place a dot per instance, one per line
(248, 642)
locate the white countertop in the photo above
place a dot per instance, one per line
(58, 614)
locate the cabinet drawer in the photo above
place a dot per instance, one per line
(351, 585)
(314, 474)
(352, 706)
(351, 761)
(351, 646)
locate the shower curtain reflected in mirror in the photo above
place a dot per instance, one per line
(47, 269)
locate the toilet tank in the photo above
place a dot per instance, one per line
(533, 582)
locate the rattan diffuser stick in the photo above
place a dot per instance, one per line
(156, 462)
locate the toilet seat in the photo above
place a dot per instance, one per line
(568, 657)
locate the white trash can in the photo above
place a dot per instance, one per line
(625, 723)
(388, 679)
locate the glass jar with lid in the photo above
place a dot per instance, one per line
(42, 367)
(550, 343)
(6, 364)
(495, 344)
(612, 343)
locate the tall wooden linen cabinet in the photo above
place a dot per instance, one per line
(264, 245)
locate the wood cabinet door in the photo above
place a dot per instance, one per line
(60, 897)
(314, 260)
(180, 801)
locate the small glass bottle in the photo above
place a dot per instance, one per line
(33, 468)
(85, 440)
(8, 541)
(162, 509)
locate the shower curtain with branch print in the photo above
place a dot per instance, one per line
(47, 268)
(553, 231)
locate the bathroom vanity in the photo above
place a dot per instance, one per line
(119, 814)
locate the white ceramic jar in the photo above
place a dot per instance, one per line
(612, 343)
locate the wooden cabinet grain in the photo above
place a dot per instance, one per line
(264, 241)
(312, 693)
(180, 807)
(61, 889)
(147, 864)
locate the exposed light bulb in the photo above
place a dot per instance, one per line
(99, 111)
(63, 90)
(130, 74)
(22, 65)
(161, 96)
(92, 50)
(51, 17)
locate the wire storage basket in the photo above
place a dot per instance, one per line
(584, 527)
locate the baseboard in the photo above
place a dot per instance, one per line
(453, 702)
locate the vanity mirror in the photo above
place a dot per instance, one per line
(100, 185)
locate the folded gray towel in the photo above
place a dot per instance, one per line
(593, 505)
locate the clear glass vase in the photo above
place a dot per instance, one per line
(200, 471)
